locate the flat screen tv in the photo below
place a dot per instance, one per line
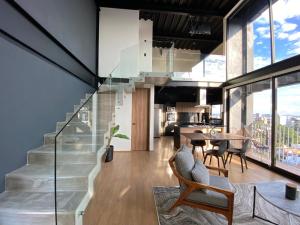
(171, 95)
(214, 96)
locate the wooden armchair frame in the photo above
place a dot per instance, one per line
(192, 186)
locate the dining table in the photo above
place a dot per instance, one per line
(216, 136)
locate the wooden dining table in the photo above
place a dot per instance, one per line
(216, 136)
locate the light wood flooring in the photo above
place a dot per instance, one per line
(123, 188)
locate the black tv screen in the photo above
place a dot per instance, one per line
(214, 96)
(171, 95)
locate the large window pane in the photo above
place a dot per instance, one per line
(288, 123)
(251, 115)
(249, 39)
(286, 16)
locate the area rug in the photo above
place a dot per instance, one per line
(243, 204)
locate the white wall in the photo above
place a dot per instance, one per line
(146, 37)
(118, 37)
(122, 43)
(123, 118)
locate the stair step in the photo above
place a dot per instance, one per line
(72, 125)
(40, 178)
(75, 139)
(45, 155)
(28, 208)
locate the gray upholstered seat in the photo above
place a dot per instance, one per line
(211, 197)
(217, 196)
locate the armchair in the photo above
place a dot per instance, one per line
(217, 198)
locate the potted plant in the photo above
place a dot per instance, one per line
(110, 148)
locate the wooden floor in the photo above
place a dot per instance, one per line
(123, 189)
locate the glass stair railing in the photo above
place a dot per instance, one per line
(79, 145)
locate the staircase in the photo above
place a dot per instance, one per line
(29, 193)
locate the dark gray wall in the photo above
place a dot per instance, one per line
(35, 93)
(71, 22)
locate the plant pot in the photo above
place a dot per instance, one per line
(109, 153)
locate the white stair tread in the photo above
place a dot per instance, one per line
(39, 202)
(50, 149)
(47, 171)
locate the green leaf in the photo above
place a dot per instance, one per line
(123, 136)
(115, 129)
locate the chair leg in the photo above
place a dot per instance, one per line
(218, 165)
(227, 156)
(244, 157)
(177, 203)
(230, 158)
(229, 218)
(223, 160)
(210, 159)
(242, 164)
(193, 150)
(202, 151)
(205, 158)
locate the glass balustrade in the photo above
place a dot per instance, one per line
(79, 145)
(160, 59)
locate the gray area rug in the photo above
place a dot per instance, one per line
(165, 197)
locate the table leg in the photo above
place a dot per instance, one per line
(254, 197)
(253, 212)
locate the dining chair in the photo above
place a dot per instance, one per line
(218, 153)
(198, 143)
(241, 152)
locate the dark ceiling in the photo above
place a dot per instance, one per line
(174, 19)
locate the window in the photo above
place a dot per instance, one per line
(286, 16)
(216, 111)
(251, 115)
(288, 123)
(249, 39)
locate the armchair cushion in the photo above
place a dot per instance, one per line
(200, 173)
(211, 197)
(184, 161)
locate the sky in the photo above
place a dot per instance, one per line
(286, 15)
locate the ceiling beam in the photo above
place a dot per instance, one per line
(186, 38)
(161, 8)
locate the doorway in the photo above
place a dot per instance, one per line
(140, 119)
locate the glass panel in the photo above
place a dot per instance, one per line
(194, 66)
(216, 111)
(286, 16)
(251, 115)
(249, 39)
(288, 123)
(79, 145)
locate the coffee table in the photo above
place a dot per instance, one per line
(274, 193)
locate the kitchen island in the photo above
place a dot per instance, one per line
(180, 139)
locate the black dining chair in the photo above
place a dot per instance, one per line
(198, 143)
(218, 153)
(241, 152)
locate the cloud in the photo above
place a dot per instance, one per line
(259, 43)
(286, 27)
(282, 35)
(285, 9)
(259, 62)
(294, 51)
(264, 32)
(294, 36)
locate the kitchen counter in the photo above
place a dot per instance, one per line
(180, 139)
